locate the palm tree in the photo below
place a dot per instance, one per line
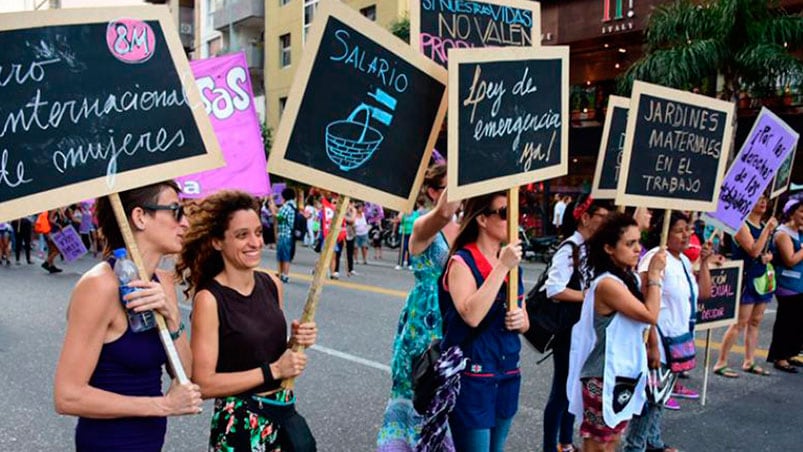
(740, 45)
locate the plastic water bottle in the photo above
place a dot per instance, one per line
(126, 272)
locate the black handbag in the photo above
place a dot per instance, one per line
(425, 377)
(294, 432)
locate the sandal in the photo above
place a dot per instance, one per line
(795, 361)
(754, 369)
(726, 372)
(785, 367)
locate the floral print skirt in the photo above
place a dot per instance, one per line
(238, 425)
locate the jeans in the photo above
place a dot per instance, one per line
(644, 430)
(558, 422)
(481, 440)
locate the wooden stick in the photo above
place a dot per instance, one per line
(133, 252)
(706, 365)
(620, 209)
(314, 293)
(665, 229)
(769, 239)
(512, 236)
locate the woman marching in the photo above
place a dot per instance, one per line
(420, 320)
(565, 284)
(239, 334)
(751, 240)
(608, 363)
(108, 375)
(473, 298)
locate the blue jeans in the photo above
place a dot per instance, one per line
(481, 440)
(558, 422)
(644, 430)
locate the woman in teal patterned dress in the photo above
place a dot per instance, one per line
(420, 320)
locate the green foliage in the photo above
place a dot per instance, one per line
(747, 42)
(401, 28)
(267, 137)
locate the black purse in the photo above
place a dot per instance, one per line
(294, 432)
(425, 377)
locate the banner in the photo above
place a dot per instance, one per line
(69, 243)
(768, 145)
(226, 93)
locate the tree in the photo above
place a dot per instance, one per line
(401, 28)
(267, 137)
(740, 45)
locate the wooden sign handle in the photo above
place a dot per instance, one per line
(133, 252)
(773, 212)
(665, 229)
(314, 293)
(512, 236)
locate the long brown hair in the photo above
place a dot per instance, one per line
(131, 199)
(432, 179)
(469, 228)
(209, 219)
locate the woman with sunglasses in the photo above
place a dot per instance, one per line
(473, 297)
(420, 319)
(107, 375)
(566, 283)
(239, 334)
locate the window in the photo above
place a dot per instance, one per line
(282, 104)
(310, 6)
(210, 15)
(369, 12)
(283, 2)
(284, 50)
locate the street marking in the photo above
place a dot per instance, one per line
(352, 358)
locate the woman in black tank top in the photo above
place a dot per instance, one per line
(240, 351)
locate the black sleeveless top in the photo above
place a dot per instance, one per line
(252, 328)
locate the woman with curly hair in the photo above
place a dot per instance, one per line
(239, 335)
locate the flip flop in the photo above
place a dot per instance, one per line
(726, 372)
(754, 369)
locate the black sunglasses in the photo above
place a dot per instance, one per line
(502, 212)
(178, 209)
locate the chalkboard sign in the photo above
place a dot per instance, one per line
(363, 113)
(783, 176)
(609, 160)
(767, 146)
(95, 101)
(676, 146)
(508, 121)
(439, 25)
(722, 309)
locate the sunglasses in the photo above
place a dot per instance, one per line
(502, 212)
(177, 209)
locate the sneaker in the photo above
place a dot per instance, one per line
(54, 269)
(672, 404)
(353, 273)
(46, 266)
(284, 278)
(334, 275)
(683, 392)
(398, 267)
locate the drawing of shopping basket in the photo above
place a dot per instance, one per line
(350, 143)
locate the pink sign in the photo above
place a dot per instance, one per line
(130, 40)
(227, 97)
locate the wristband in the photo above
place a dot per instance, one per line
(267, 375)
(654, 282)
(177, 334)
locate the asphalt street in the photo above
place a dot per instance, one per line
(345, 387)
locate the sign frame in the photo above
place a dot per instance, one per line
(613, 102)
(278, 164)
(656, 202)
(533, 6)
(781, 190)
(501, 55)
(729, 321)
(99, 186)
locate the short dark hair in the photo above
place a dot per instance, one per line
(288, 194)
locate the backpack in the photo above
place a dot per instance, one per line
(548, 317)
(299, 226)
(42, 224)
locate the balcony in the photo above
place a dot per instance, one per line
(246, 13)
(255, 56)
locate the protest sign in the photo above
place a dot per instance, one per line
(771, 142)
(722, 309)
(225, 87)
(69, 243)
(437, 26)
(508, 121)
(783, 176)
(676, 146)
(609, 160)
(92, 102)
(363, 113)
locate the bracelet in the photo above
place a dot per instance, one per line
(267, 375)
(177, 334)
(654, 282)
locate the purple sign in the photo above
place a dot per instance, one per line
(69, 243)
(769, 143)
(226, 93)
(276, 192)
